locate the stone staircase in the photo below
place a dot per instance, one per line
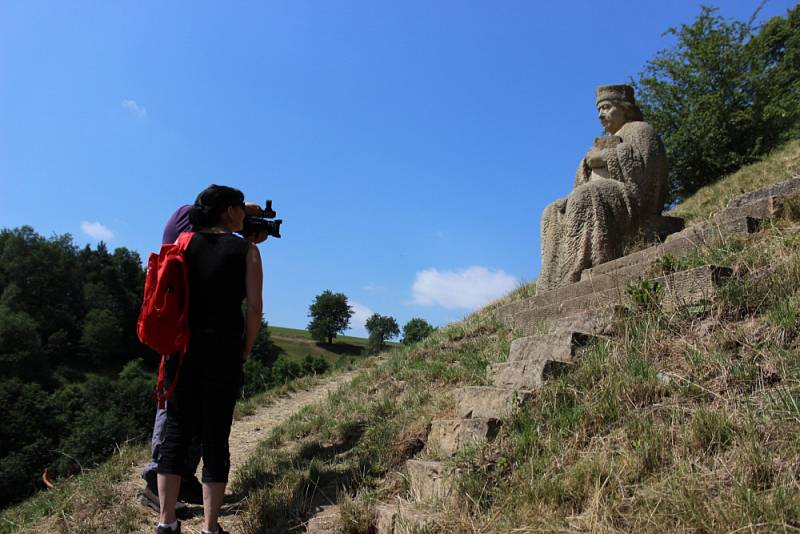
(554, 328)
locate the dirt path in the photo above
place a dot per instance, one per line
(246, 434)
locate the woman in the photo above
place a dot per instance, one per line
(224, 271)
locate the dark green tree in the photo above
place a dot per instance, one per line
(416, 330)
(381, 328)
(258, 368)
(102, 335)
(723, 96)
(330, 315)
(27, 437)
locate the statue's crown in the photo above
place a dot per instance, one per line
(615, 92)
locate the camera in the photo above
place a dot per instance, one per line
(266, 222)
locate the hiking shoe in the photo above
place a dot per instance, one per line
(167, 530)
(191, 491)
(151, 479)
(150, 500)
(220, 530)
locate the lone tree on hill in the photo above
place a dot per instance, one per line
(415, 330)
(330, 315)
(381, 328)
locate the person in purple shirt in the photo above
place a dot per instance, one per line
(191, 490)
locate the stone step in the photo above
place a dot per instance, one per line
(517, 375)
(488, 402)
(681, 243)
(781, 189)
(448, 436)
(678, 289)
(430, 481)
(620, 272)
(402, 518)
(327, 521)
(526, 375)
(762, 208)
(562, 346)
(595, 322)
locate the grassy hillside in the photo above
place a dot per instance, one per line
(781, 164)
(683, 421)
(296, 344)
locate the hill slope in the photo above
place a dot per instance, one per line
(678, 419)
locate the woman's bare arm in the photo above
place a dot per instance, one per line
(254, 282)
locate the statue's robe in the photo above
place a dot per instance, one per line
(602, 215)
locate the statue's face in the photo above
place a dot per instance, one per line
(612, 116)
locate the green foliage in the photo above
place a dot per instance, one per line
(27, 437)
(646, 294)
(260, 377)
(723, 96)
(381, 328)
(70, 392)
(101, 336)
(330, 315)
(416, 330)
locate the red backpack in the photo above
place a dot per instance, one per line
(164, 319)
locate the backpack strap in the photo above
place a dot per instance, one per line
(182, 242)
(161, 398)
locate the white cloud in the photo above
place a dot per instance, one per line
(137, 110)
(470, 288)
(360, 315)
(97, 231)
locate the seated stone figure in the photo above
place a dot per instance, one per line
(620, 188)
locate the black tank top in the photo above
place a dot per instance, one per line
(216, 284)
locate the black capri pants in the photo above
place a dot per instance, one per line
(202, 405)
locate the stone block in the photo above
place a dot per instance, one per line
(488, 402)
(594, 322)
(402, 518)
(524, 375)
(695, 286)
(781, 189)
(762, 208)
(562, 346)
(327, 521)
(430, 481)
(448, 436)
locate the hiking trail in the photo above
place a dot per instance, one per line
(246, 434)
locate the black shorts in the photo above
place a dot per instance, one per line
(202, 405)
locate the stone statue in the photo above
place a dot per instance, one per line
(620, 189)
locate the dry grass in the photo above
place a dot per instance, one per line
(87, 503)
(781, 164)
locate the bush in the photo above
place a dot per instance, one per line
(416, 330)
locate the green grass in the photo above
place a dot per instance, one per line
(303, 334)
(296, 344)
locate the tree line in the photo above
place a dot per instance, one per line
(74, 380)
(331, 314)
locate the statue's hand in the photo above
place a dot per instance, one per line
(595, 159)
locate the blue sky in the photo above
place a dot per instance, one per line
(410, 147)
